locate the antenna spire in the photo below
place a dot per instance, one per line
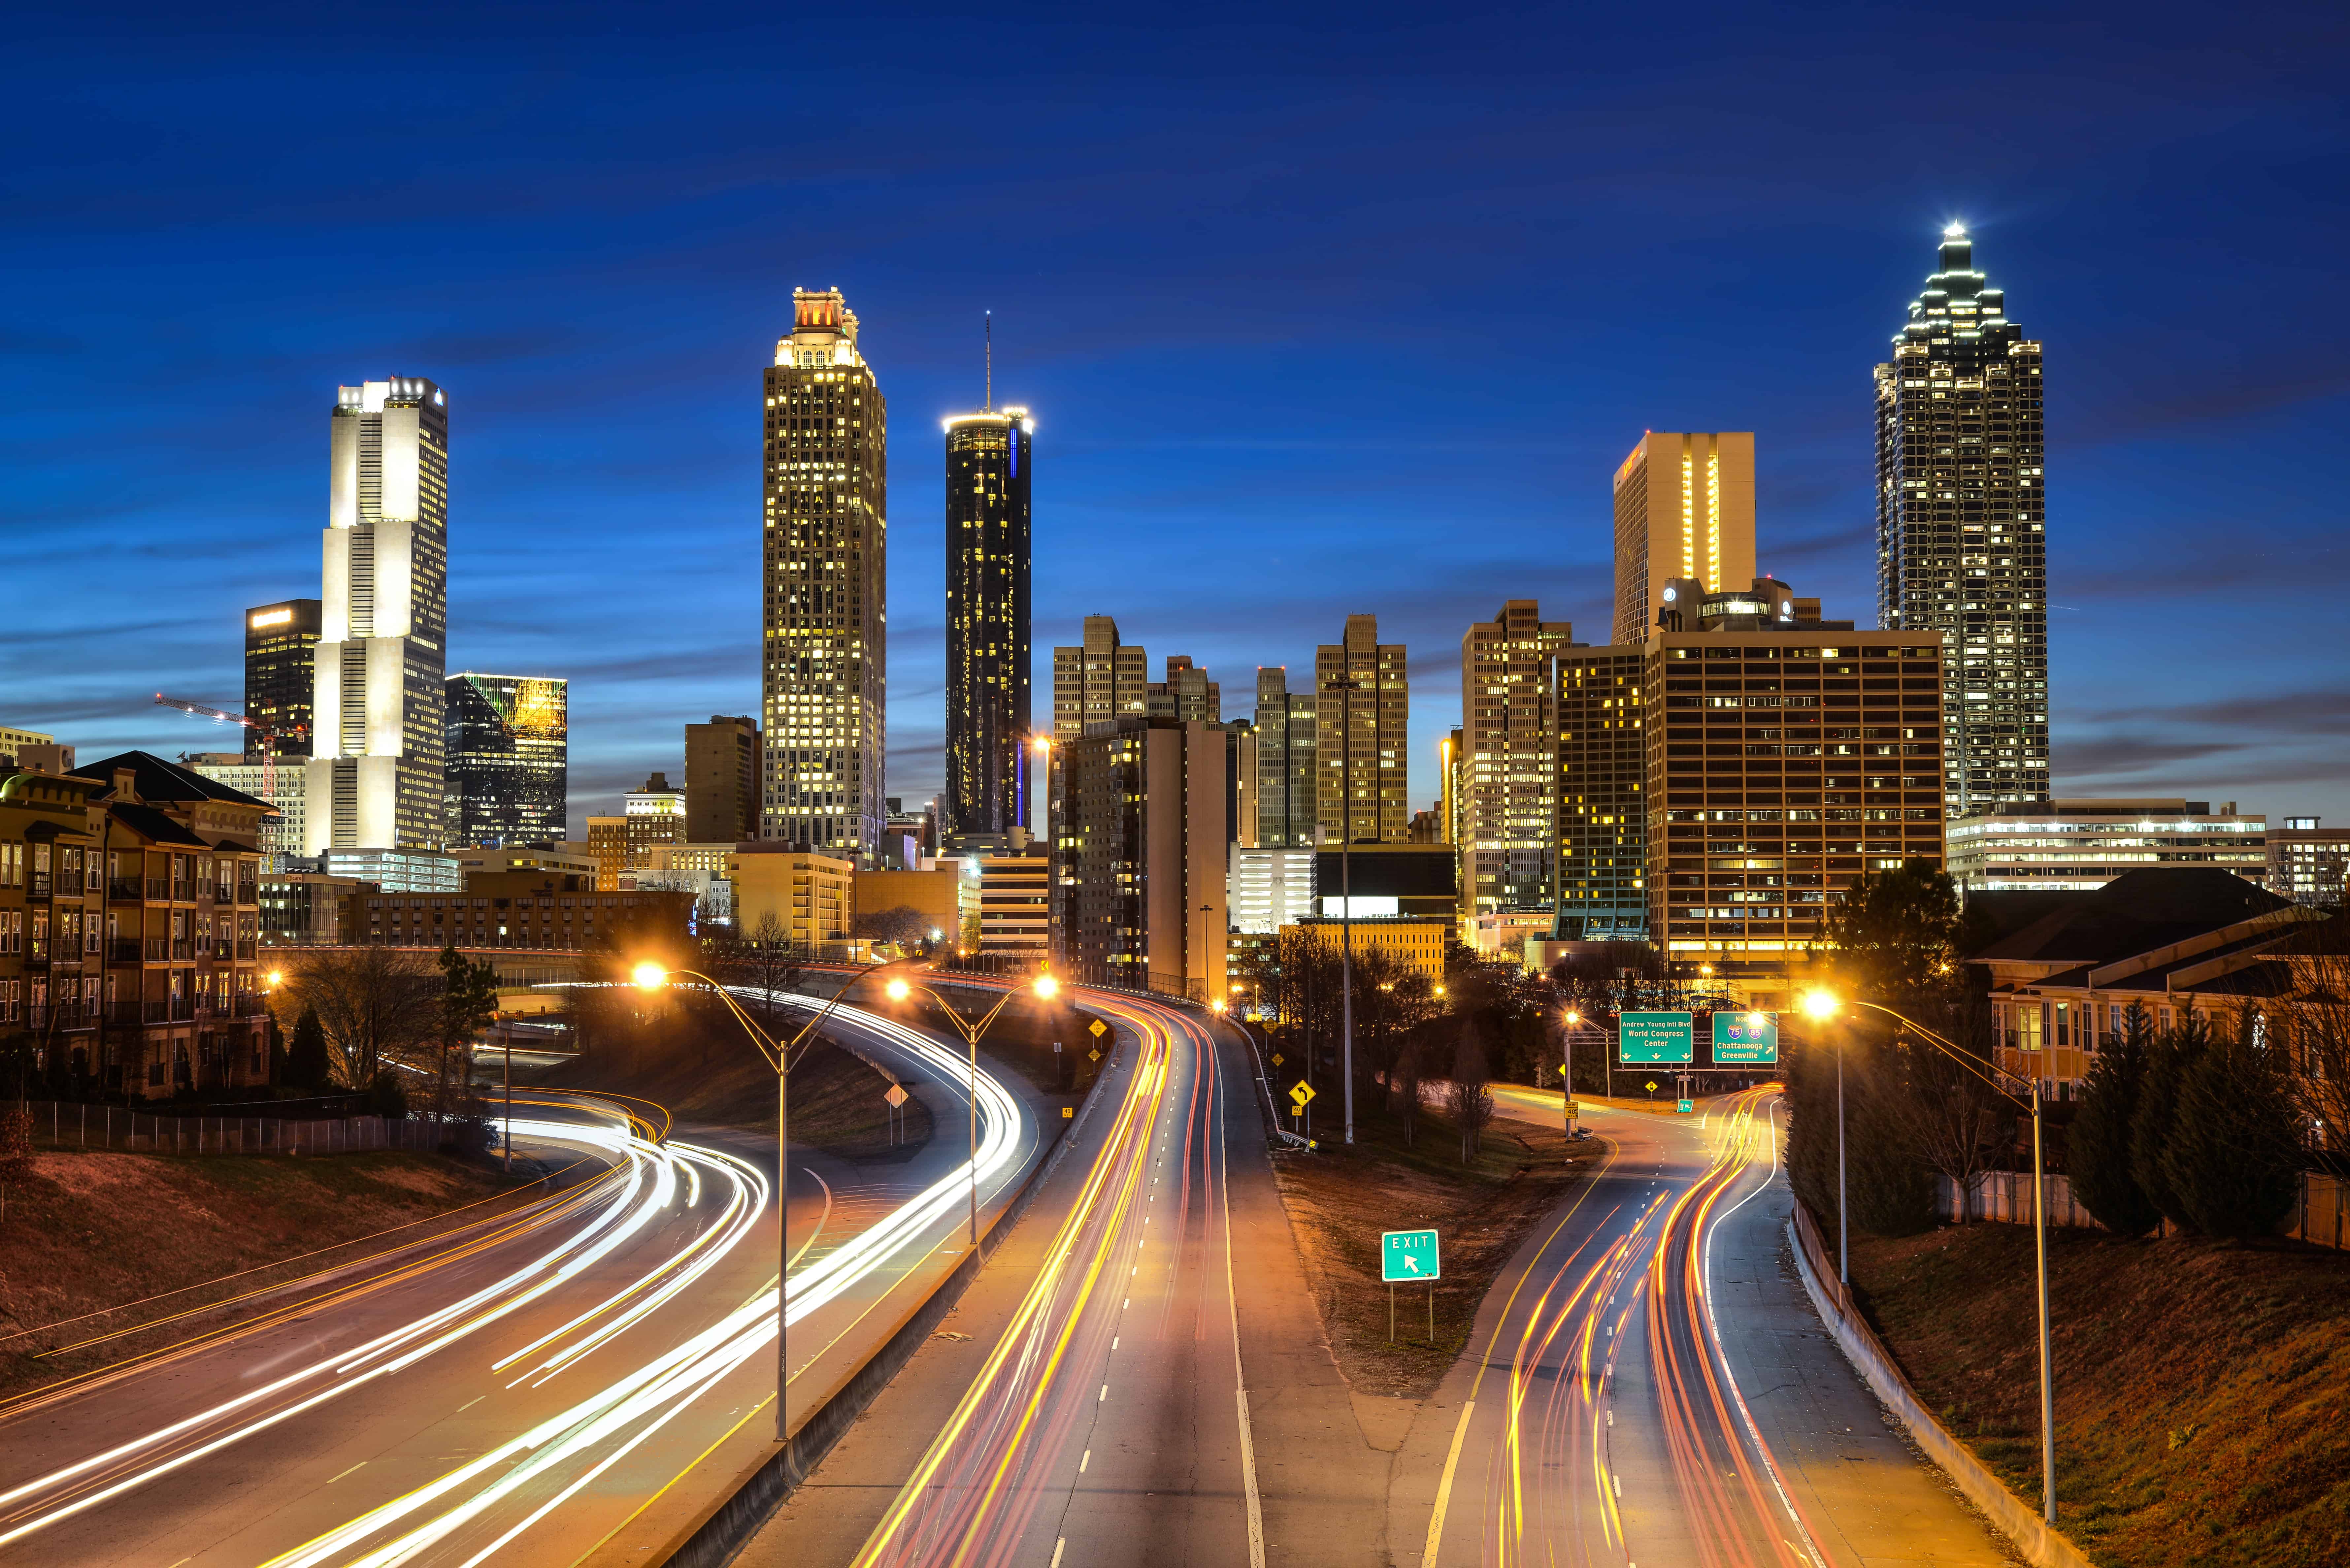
(988, 405)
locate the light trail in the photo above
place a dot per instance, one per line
(554, 1458)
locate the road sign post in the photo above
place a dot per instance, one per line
(1405, 1256)
(1655, 1037)
(1745, 1038)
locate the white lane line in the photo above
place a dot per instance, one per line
(1444, 1487)
(331, 1480)
(469, 1403)
(1232, 1296)
(1103, 1394)
(1083, 1460)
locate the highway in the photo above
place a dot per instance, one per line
(1628, 1408)
(520, 1392)
(1103, 1419)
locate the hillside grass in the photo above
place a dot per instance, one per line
(2202, 1387)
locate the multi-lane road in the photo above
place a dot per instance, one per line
(517, 1392)
(1135, 1377)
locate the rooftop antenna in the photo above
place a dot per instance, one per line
(988, 405)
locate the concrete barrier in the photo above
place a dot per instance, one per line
(2041, 1543)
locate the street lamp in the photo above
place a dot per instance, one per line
(1822, 1005)
(1045, 987)
(1566, 1073)
(651, 977)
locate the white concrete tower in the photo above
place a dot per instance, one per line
(375, 775)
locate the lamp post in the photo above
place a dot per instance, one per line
(1822, 1006)
(652, 977)
(1045, 987)
(1346, 684)
(1566, 1074)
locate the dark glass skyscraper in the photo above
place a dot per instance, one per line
(1961, 513)
(987, 622)
(281, 673)
(506, 753)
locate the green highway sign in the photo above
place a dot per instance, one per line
(1686, 1107)
(1656, 1037)
(1744, 1037)
(1408, 1255)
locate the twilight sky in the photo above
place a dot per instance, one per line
(1319, 311)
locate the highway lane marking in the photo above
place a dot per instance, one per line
(1103, 1394)
(1113, 1345)
(1059, 1542)
(331, 1481)
(1444, 1485)
(1083, 1460)
(470, 1404)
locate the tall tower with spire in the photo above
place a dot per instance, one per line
(1961, 548)
(987, 528)
(825, 658)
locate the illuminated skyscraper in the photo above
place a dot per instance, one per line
(824, 660)
(1097, 682)
(507, 748)
(1684, 508)
(374, 780)
(1961, 513)
(987, 622)
(281, 673)
(1360, 720)
(1286, 778)
(1509, 809)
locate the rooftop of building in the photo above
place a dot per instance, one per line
(154, 779)
(2136, 912)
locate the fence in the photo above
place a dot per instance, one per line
(2321, 1215)
(65, 1124)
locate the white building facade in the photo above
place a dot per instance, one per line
(375, 775)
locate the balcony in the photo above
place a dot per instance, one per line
(159, 890)
(181, 1009)
(123, 888)
(40, 885)
(183, 949)
(252, 1004)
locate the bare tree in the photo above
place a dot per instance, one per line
(1468, 1099)
(2309, 1022)
(902, 925)
(1949, 1111)
(376, 1004)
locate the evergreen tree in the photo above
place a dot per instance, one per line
(307, 1063)
(2234, 1158)
(2152, 1125)
(2098, 1147)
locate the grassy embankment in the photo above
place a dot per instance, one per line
(97, 1229)
(2202, 1387)
(1340, 1199)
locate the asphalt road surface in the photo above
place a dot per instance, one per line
(520, 1393)
(1647, 1393)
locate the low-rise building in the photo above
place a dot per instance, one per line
(2308, 863)
(607, 845)
(394, 870)
(1417, 941)
(652, 813)
(2192, 939)
(1016, 906)
(129, 927)
(2080, 845)
(1269, 888)
(538, 911)
(946, 895)
(794, 896)
(308, 908)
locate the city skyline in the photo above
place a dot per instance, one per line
(1760, 315)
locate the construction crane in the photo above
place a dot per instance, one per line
(269, 734)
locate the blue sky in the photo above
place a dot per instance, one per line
(1320, 311)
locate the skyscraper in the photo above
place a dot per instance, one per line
(281, 673)
(1360, 720)
(824, 662)
(721, 780)
(1509, 743)
(1186, 694)
(1602, 758)
(987, 621)
(1097, 682)
(506, 752)
(1961, 511)
(374, 780)
(1286, 778)
(1684, 508)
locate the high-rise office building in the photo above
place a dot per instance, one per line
(721, 780)
(654, 813)
(987, 622)
(823, 663)
(1186, 694)
(1684, 508)
(1139, 861)
(374, 779)
(507, 752)
(1286, 806)
(1510, 741)
(1786, 758)
(1602, 802)
(1098, 683)
(1961, 513)
(281, 675)
(1361, 717)
(2307, 863)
